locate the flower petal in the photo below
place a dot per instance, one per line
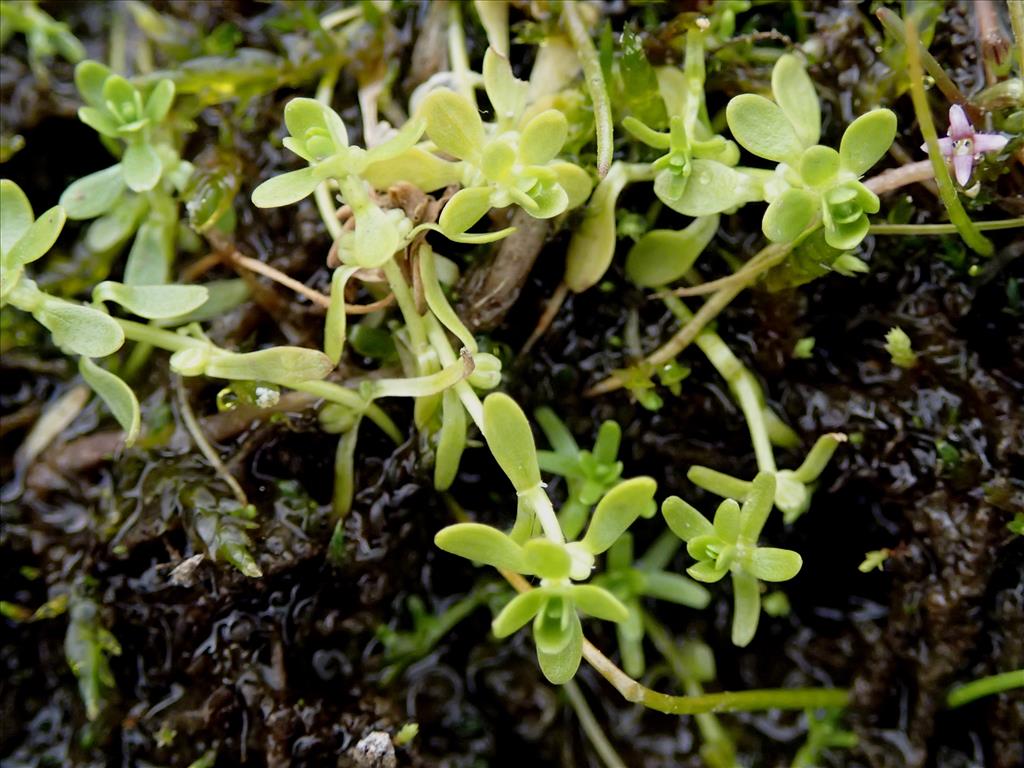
(989, 142)
(959, 126)
(963, 165)
(945, 146)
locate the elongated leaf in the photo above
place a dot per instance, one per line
(141, 166)
(757, 507)
(866, 140)
(113, 229)
(617, 511)
(334, 325)
(451, 440)
(727, 521)
(116, 394)
(278, 365)
(100, 121)
(158, 104)
(15, 215)
(772, 564)
(222, 297)
(95, 194)
(574, 180)
(38, 239)
(438, 302)
(465, 208)
(82, 330)
(149, 260)
(509, 437)
(481, 544)
(560, 666)
(506, 92)
(593, 243)
(597, 602)
(662, 256)
(762, 128)
(154, 302)
(684, 520)
(746, 608)
(376, 238)
(520, 610)
(453, 124)
(794, 93)
(89, 78)
(285, 189)
(675, 589)
(547, 559)
(398, 144)
(543, 137)
(415, 166)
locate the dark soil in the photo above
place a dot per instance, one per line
(287, 670)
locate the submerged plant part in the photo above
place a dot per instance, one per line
(728, 545)
(963, 147)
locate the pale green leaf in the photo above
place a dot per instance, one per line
(116, 394)
(38, 238)
(789, 215)
(560, 666)
(662, 256)
(819, 165)
(506, 93)
(519, 610)
(453, 124)
(757, 507)
(746, 608)
(772, 564)
(574, 180)
(675, 588)
(149, 260)
(866, 140)
(713, 188)
(154, 302)
(509, 437)
(334, 325)
(543, 137)
(593, 242)
(494, 17)
(158, 104)
(546, 559)
(465, 208)
(222, 297)
(285, 189)
(113, 229)
(398, 144)
(100, 121)
(89, 79)
(15, 215)
(616, 512)
(277, 365)
(727, 521)
(481, 544)
(762, 128)
(415, 166)
(597, 602)
(81, 330)
(497, 159)
(141, 166)
(707, 571)
(95, 194)
(684, 520)
(794, 93)
(451, 440)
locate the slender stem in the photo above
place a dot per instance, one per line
(985, 686)
(445, 353)
(591, 727)
(942, 229)
(726, 701)
(158, 337)
(894, 178)
(457, 56)
(596, 87)
(196, 431)
(322, 193)
(916, 50)
(947, 192)
(336, 393)
(255, 265)
(407, 305)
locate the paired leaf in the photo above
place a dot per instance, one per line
(37, 239)
(116, 394)
(789, 215)
(141, 166)
(794, 93)
(15, 215)
(285, 189)
(712, 188)
(684, 520)
(520, 610)
(509, 437)
(662, 256)
(481, 544)
(616, 512)
(866, 140)
(762, 127)
(277, 365)
(465, 208)
(543, 137)
(772, 564)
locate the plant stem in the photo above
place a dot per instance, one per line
(985, 686)
(591, 727)
(322, 193)
(942, 229)
(211, 455)
(971, 236)
(457, 56)
(158, 337)
(596, 86)
(726, 701)
(915, 49)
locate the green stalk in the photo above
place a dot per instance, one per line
(909, 37)
(985, 686)
(974, 239)
(592, 728)
(596, 86)
(407, 305)
(942, 229)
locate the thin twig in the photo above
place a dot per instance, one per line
(255, 265)
(901, 176)
(547, 317)
(196, 431)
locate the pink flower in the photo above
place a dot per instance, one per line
(964, 145)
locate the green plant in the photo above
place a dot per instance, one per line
(899, 347)
(811, 181)
(728, 545)
(87, 646)
(46, 37)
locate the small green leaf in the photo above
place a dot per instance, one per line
(597, 602)
(89, 79)
(520, 610)
(789, 215)
(222, 297)
(593, 242)
(546, 559)
(746, 608)
(772, 564)
(866, 140)
(415, 166)
(112, 230)
(561, 649)
(160, 99)
(141, 166)
(277, 365)
(662, 256)
(707, 571)
(38, 239)
(757, 507)
(116, 394)
(99, 120)
(712, 188)
(497, 159)
(543, 137)
(285, 189)
(482, 544)
(15, 215)
(675, 589)
(509, 437)
(727, 521)
(506, 93)
(451, 440)
(376, 237)
(149, 260)
(684, 520)
(82, 330)
(154, 302)
(794, 93)
(617, 511)
(574, 180)
(819, 165)
(398, 144)
(465, 208)
(95, 194)
(762, 128)
(453, 124)
(334, 325)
